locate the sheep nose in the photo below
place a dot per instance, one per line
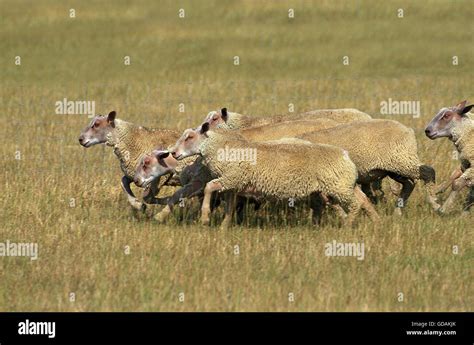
(173, 153)
(428, 132)
(81, 139)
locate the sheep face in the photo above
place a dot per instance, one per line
(445, 120)
(215, 118)
(190, 142)
(152, 166)
(97, 130)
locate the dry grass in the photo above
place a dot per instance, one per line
(299, 61)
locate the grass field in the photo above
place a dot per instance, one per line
(68, 199)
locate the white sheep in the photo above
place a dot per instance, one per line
(151, 168)
(130, 143)
(381, 148)
(456, 124)
(279, 171)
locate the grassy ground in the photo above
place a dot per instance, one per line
(113, 261)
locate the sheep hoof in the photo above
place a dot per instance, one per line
(441, 211)
(205, 222)
(398, 211)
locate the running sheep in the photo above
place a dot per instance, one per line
(455, 124)
(279, 171)
(381, 148)
(153, 168)
(193, 178)
(130, 142)
(334, 117)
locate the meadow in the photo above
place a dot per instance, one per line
(95, 254)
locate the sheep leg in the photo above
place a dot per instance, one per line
(352, 208)
(136, 204)
(317, 204)
(376, 191)
(366, 205)
(366, 188)
(211, 186)
(469, 201)
(465, 180)
(395, 187)
(462, 181)
(446, 184)
(187, 191)
(151, 191)
(215, 201)
(428, 175)
(229, 210)
(448, 203)
(407, 188)
(240, 209)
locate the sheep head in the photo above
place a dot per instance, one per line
(154, 165)
(97, 130)
(215, 118)
(190, 142)
(446, 120)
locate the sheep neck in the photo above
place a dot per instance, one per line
(122, 142)
(460, 133)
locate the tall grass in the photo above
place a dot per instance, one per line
(112, 260)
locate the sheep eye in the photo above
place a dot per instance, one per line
(96, 124)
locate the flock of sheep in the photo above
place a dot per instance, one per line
(330, 157)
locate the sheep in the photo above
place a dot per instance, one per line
(152, 167)
(442, 187)
(380, 148)
(225, 119)
(192, 177)
(232, 120)
(455, 123)
(283, 171)
(130, 142)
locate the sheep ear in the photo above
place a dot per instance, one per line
(161, 155)
(460, 106)
(111, 118)
(204, 128)
(467, 109)
(224, 114)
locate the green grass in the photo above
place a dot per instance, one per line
(190, 61)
